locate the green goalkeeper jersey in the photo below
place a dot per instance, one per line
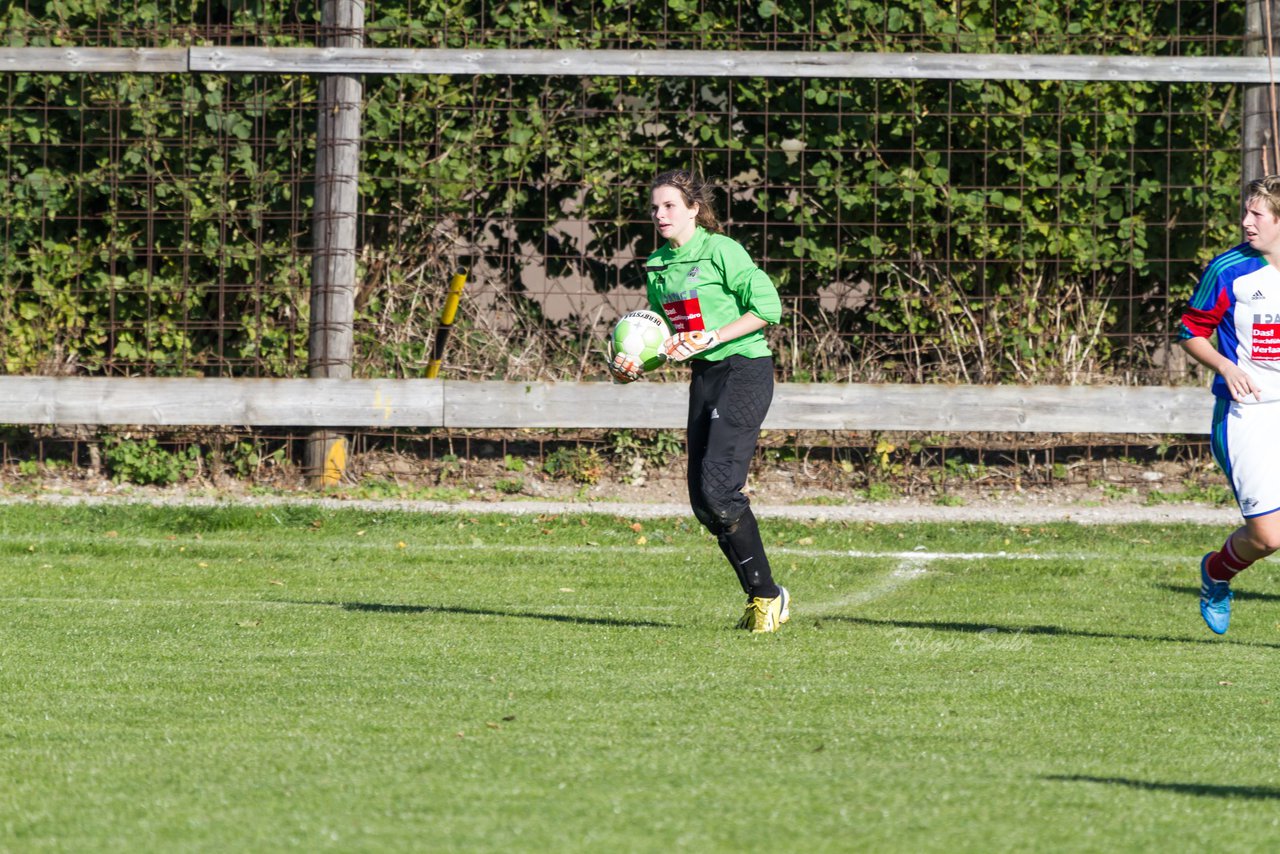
(708, 282)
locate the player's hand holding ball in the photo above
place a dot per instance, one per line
(625, 368)
(684, 345)
(636, 345)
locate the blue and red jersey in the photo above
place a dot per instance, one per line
(1239, 299)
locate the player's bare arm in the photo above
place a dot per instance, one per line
(1238, 382)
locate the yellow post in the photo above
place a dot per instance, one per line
(447, 315)
(329, 452)
(335, 462)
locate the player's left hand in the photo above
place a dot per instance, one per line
(683, 345)
(624, 368)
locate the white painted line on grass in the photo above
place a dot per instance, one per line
(908, 570)
(115, 601)
(929, 556)
(201, 549)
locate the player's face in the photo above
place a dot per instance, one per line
(675, 220)
(1262, 228)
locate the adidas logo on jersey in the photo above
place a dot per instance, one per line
(1258, 295)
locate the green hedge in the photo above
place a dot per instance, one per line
(1000, 231)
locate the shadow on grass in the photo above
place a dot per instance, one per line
(976, 628)
(1204, 790)
(1241, 595)
(383, 608)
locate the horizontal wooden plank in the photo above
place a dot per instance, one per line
(230, 402)
(708, 63)
(600, 404)
(94, 59)
(634, 63)
(963, 408)
(452, 403)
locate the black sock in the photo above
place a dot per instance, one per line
(725, 547)
(745, 550)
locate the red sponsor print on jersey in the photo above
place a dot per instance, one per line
(684, 311)
(1266, 342)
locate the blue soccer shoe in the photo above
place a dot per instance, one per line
(1215, 599)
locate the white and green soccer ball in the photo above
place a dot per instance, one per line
(640, 334)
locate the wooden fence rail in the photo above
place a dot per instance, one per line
(639, 63)
(342, 403)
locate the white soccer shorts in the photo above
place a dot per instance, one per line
(1246, 445)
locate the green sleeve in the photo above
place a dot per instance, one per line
(750, 285)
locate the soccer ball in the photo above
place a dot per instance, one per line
(640, 334)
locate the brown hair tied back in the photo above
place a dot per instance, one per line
(695, 191)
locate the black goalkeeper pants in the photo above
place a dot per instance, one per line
(727, 404)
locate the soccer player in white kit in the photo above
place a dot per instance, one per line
(1239, 299)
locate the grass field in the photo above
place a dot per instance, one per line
(288, 678)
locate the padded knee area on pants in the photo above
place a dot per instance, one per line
(722, 503)
(721, 521)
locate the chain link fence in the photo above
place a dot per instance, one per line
(919, 230)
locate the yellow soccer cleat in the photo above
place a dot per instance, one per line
(766, 615)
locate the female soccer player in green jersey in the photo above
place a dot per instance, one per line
(717, 303)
